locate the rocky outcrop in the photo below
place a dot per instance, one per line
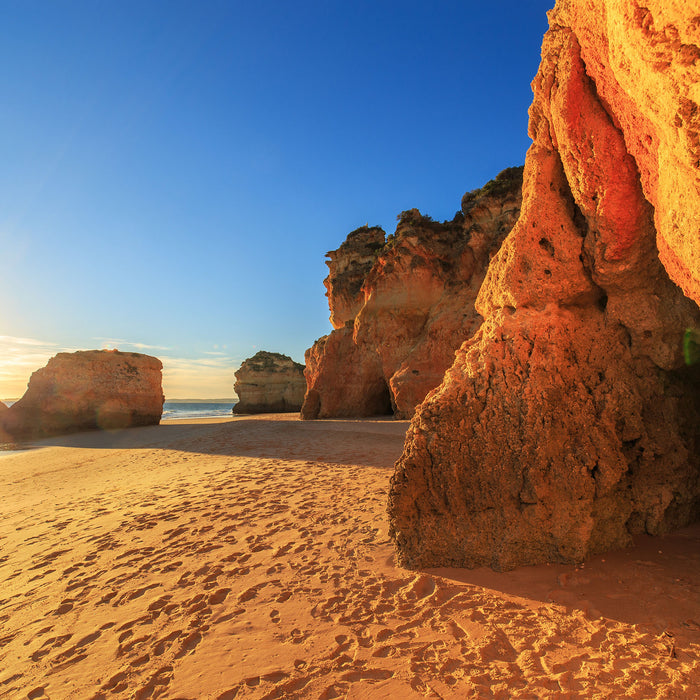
(413, 301)
(346, 380)
(88, 390)
(570, 421)
(269, 382)
(644, 60)
(347, 268)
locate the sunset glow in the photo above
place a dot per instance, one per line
(174, 173)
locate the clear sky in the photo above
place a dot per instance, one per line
(172, 172)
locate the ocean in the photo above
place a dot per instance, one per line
(173, 410)
(196, 409)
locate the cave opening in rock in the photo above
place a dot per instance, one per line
(386, 406)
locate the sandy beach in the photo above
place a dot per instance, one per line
(249, 558)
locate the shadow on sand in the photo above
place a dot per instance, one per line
(375, 442)
(655, 582)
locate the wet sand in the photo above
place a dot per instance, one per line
(249, 558)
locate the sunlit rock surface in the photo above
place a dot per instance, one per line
(87, 390)
(644, 60)
(569, 421)
(269, 382)
(413, 305)
(347, 268)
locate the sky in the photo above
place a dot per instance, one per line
(172, 172)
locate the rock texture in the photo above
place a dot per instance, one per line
(347, 268)
(402, 307)
(94, 389)
(644, 60)
(269, 382)
(569, 421)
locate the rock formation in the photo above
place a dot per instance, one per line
(401, 308)
(569, 421)
(95, 389)
(348, 266)
(269, 383)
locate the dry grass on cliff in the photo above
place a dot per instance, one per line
(249, 558)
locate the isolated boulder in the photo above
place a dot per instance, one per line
(413, 300)
(88, 390)
(269, 382)
(570, 421)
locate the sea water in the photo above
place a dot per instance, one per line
(177, 409)
(172, 410)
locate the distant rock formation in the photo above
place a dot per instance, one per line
(570, 422)
(3, 407)
(269, 382)
(401, 308)
(88, 390)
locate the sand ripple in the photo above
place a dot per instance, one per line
(250, 559)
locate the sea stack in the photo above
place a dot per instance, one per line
(88, 390)
(269, 382)
(570, 421)
(401, 307)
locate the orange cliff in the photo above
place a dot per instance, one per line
(87, 390)
(570, 422)
(401, 307)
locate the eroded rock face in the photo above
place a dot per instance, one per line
(269, 382)
(644, 58)
(569, 421)
(414, 307)
(347, 268)
(88, 390)
(346, 381)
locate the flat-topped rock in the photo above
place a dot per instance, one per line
(269, 382)
(88, 390)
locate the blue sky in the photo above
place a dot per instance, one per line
(173, 172)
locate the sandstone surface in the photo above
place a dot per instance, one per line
(570, 421)
(344, 380)
(347, 268)
(269, 382)
(644, 60)
(88, 390)
(413, 304)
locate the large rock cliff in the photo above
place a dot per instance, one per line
(402, 307)
(87, 390)
(569, 421)
(269, 382)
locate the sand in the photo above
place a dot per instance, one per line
(249, 558)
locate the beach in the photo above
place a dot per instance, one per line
(249, 557)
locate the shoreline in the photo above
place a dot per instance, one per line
(249, 557)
